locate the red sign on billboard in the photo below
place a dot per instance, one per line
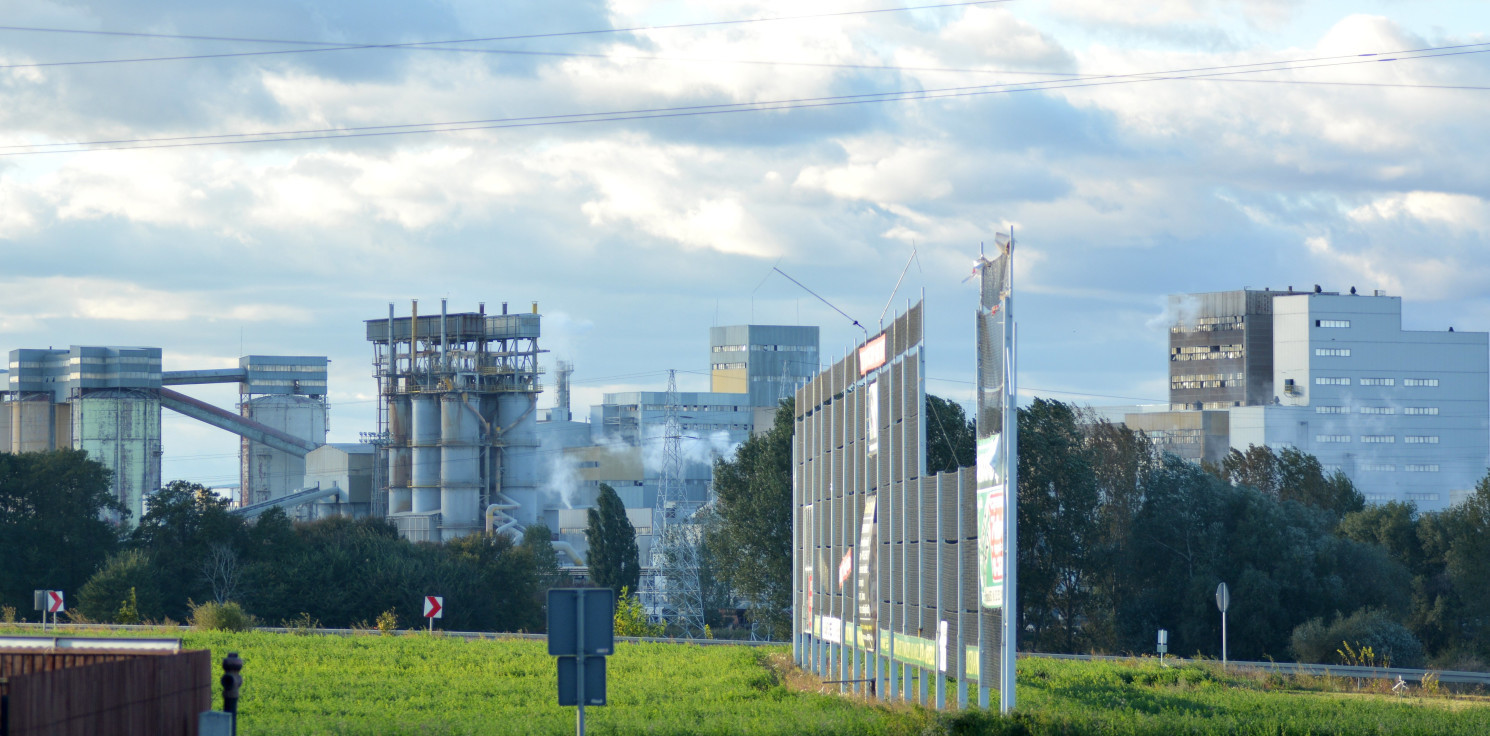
(872, 355)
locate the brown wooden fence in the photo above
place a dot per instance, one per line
(103, 694)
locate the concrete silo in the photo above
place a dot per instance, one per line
(121, 429)
(268, 473)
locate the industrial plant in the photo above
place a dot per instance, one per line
(460, 445)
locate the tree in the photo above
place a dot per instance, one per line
(951, 437)
(1057, 526)
(1292, 475)
(613, 557)
(749, 536)
(126, 577)
(182, 525)
(53, 532)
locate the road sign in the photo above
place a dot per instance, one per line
(434, 606)
(581, 632)
(54, 602)
(594, 675)
(599, 621)
(1223, 602)
(39, 600)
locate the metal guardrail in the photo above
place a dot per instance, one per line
(375, 632)
(1282, 668)
(1299, 668)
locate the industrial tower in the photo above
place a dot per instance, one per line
(671, 589)
(457, 420)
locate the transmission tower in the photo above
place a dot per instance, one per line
(671, 590)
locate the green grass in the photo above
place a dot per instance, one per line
(438, 685)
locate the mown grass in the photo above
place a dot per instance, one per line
(433, 685)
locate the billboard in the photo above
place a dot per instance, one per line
(888, 579)
(998, 440)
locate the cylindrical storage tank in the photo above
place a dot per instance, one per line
(31, 425)
(400, 456)
(460, 472)
(425, 475)
(267, 473)
(121, 429)
(518, 417)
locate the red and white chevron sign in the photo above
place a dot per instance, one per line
(434, 606)
(54, 602)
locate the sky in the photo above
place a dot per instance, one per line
(1137, 150)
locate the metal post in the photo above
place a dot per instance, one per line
(232, 680)
(1011, 499)
(579, 663)
(1223, 638)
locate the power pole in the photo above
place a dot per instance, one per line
(671, 590)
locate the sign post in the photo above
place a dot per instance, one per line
(1163, 646)
(434, 607)
(581, 633)
(1223, 602)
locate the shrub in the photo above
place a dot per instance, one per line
(230, 616)
(388, 622)
(631, 618)
(1366, 629)
(302, 624)
(7, 614)
(127, 577)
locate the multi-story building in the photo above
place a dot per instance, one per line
(765, 362)
(1405, 414)
(1220, 349)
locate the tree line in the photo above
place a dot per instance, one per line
(1118, 539)
(189, 548)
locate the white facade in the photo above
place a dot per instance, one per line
(1405, 414)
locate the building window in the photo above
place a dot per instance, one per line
(729, 366)
(729, 348)
(1333, 352)
(1379, 468)
(1331, 323)
(1420, 439)
(1414, 496)
(1378, 381)
(1331, 438)
(1420, 382)
(1429, 468)
(1378, 410)
(1327, 381)
(1331, 468)
(1378, 439)
(1330, 410)
(1421, 411)
(1377, 497)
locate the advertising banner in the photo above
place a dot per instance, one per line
(868, 611)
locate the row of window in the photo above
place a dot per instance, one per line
(1331, 323)
(1333, 352)
(1209, 324)
(729, 366)
(765, 348)
(1378, 439)
(1409, 410)
(1391, 468)
(1343, 381)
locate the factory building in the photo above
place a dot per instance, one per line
(457, 421)
(107, 401)
(1404, 414)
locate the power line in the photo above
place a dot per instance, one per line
(1209, 74)
(437, 45)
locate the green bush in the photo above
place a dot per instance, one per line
(228, 616)
(1392, 643)
(126, 579)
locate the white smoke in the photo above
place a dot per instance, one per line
(1179, 309)
(563, 480)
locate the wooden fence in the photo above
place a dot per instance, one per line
(103, 693)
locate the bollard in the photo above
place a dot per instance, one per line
(232, 665)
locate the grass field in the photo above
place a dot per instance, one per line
(439, 685)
